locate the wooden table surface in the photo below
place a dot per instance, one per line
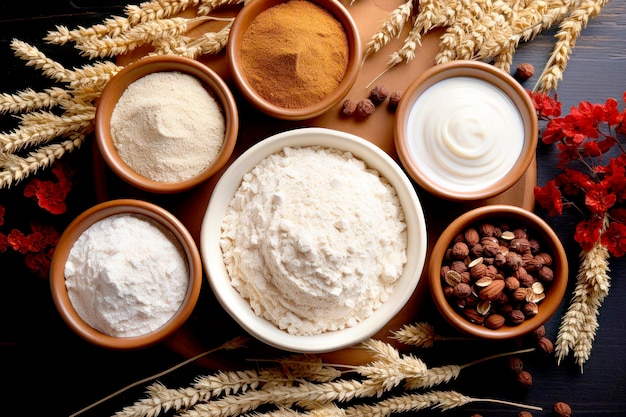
(47, 370)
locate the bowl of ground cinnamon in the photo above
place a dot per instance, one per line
(165, 124)
(294, 59)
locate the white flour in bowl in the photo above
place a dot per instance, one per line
(314, 240)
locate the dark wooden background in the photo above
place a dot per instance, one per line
(46, 370)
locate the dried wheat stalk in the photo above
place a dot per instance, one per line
(41, 137)
(490, 30)
(580, 322)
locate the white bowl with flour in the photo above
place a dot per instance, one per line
(367, 280)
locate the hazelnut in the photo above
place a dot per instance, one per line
(349, 107)
(365, 107)
(546, 274)
(478, 271)
(539, 331)
(519, 294)
(544, 258)
(516, 365)
(530, 309)
(394, 100)
(462, 290)
(545, 344)
(520, 245)
(511, 284)
(379, 93)
(460, 250)
(524, 414)
(516, 317)
(487, 229)
(562, 409)
(525, 379)
(524, 71)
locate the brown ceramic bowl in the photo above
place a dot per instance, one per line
(144, 66)
(78, 227)
(497, 215)
(242, 22)
(465, 131)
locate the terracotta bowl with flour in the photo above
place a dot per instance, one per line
(289, 69)
(333, 215)
(97, 297)
(165, 124)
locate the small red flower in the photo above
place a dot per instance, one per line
(51, 195)
(18, 241)
(3, 242)
(550, 198)
(599, 200)
(39, 263)
(588, 233)
(614, 238)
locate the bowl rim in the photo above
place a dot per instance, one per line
(77, 227)
(239, 308)
(163, 63)
(538, 225)
(233, 52)
(486, 72)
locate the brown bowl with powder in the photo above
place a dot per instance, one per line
(165, 124)
(125, 274)
(294, 59)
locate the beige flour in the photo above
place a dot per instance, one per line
(167, 127)
(314, 240)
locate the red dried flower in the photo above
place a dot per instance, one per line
(39, 263)
(2, 211)
(51, 195)
(593, 169)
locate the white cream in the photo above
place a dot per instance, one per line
(464, 133)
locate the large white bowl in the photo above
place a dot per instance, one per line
(240, 309)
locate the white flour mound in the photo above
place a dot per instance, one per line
(314, 240)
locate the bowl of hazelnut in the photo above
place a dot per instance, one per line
(294, 60)
(498, 272)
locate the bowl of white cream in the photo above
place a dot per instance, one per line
(313, 240)
(465, 131)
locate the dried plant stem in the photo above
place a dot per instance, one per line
(235, 343)
(569, 32)
(580, 322)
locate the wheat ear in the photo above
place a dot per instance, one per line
(390, 28)
(580, 322)
(28, 100)
(569, 32)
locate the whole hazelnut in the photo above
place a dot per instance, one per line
(530, 309)
(524, 71)
(525, 379)
(462, 290)
(460, 250)
(546, 274)
(471, 236)
(365, 107)
(511, 283)
(539, 331)
(516, 317)
(562, 409)
(394, 100)
(349, 107)
(516, 365)
(544, 344)
(524, 414)
(379, 93)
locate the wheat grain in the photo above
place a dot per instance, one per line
(390, 28)
(207, 6)
(15, 168)
(29, 99)
(35, 58)
(579, 323)
(569, 32)
(141, 34)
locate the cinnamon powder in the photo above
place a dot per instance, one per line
(295, 54)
